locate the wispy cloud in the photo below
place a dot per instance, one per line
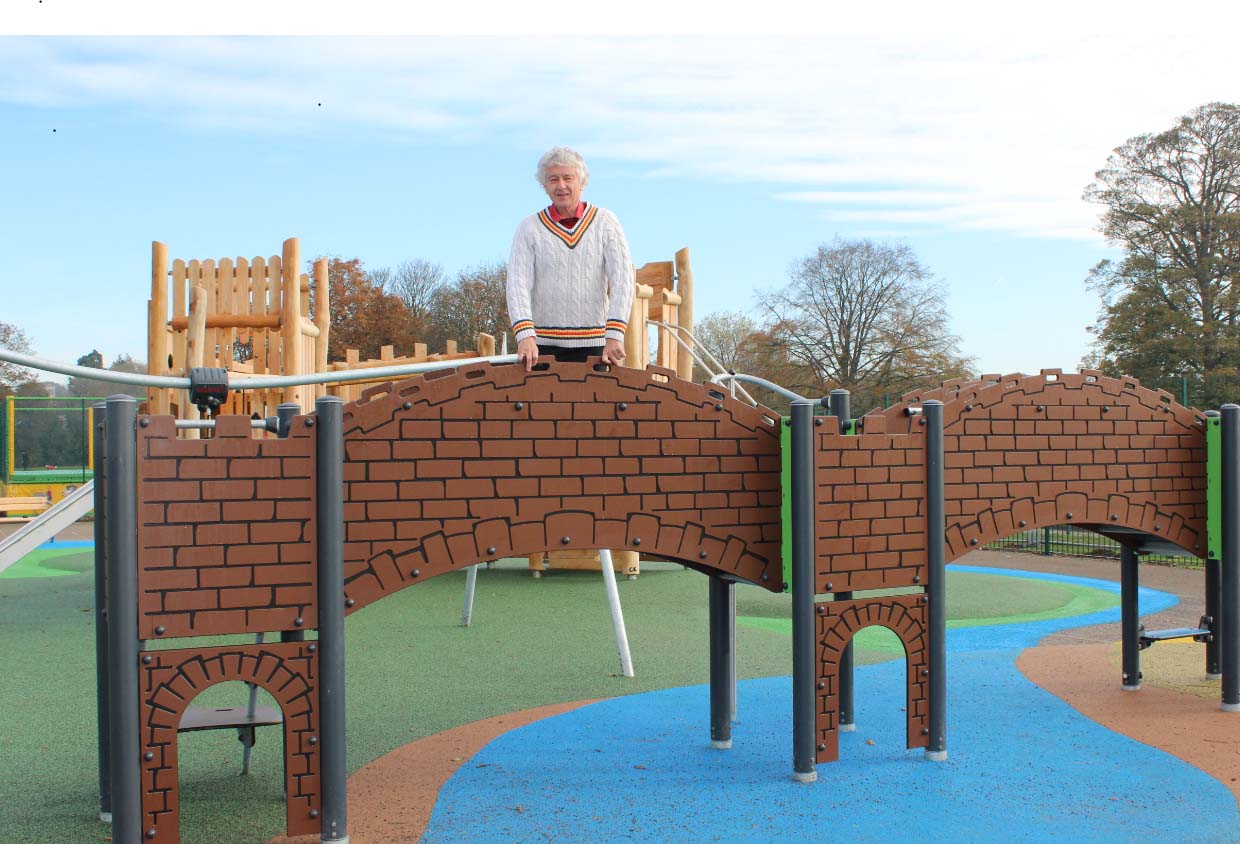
(898, 128)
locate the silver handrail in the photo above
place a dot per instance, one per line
(688, 347)
(261, 382)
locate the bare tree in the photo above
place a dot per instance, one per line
(474, 302)
(864, 316)
(416, 282)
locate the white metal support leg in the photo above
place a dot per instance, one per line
(617, 615)
(471, 580)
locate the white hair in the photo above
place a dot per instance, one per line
(562, 157)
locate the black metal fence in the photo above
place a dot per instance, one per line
(1069, 541)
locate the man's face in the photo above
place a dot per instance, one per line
(564, 188)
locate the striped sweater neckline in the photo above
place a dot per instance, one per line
(569, 237)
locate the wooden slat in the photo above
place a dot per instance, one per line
(258, 284)
(684, 314)
(180, 307)
(157, 327)
(275, 352)
(227, 308)
(322, 318)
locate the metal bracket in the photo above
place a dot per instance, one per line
(208, 387)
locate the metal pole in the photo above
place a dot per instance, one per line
(471, 583)
(804, 638)
(732, 650)
(1214, 574)
(936, 588)
(330, 495)
(284, 426)
(840, 406)
(101, 617)
(1130, 627)
(720, 661)
(1229, 605)
(124, 719)
(617, 615)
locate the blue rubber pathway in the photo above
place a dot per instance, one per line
(1023, 767)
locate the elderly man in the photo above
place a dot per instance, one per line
(570, 276)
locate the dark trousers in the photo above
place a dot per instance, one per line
(571, 354)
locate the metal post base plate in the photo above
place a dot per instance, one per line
(725, 744)
(1129, 688)
(936, 755)
(1230, 707)
(848, 728)
(106, 817)
(807, 776)
(1210, 676)
(344, 840)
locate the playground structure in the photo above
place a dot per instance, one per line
(437, 473)
(254, 317)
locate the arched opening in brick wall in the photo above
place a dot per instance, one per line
(838, 624)
(487, 462)
(172, 680)
(1075, 510)
(691, 545)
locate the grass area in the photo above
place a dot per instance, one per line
(412, 671)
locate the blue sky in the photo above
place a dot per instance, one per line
(968, 138)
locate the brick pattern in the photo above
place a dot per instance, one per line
(870, 510)
(172, 678)
(482, 462)
(1030, 451)
(838, 622)
(226, 530)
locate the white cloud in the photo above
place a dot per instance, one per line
(889, 123)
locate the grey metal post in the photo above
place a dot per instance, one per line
(936, 588)
(1130, 625)
(1214, 575)
(284, 426)
(121, 473)
(330, 496)
(1229, 605)
(720, 659)
(101, 616)
(803, 626)
(732, 650)
(840, 406)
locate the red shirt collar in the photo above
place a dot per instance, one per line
(556, 216)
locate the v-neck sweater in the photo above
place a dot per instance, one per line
(570, 286)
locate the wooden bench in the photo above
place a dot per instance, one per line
(33, 504)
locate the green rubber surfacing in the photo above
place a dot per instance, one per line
(412, 672)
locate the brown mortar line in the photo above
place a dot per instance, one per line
(1186, 726)
(391, 798)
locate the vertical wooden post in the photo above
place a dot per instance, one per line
(157, 326)
(322, 319)
(486, 346)
(684, 286)
(290, 318)
(195, 347)
(635, 339)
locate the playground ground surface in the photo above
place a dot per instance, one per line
(519, 730)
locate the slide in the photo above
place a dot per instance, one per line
(72, 507)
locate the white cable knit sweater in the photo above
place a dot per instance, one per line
(570, 287)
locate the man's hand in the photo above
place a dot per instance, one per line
(613, 352)
(527, 353)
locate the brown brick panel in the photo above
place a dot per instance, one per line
(869, 510)
(171, 679)
(1031, 451)
(838, 622)
(486, 461)
(226, 530)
